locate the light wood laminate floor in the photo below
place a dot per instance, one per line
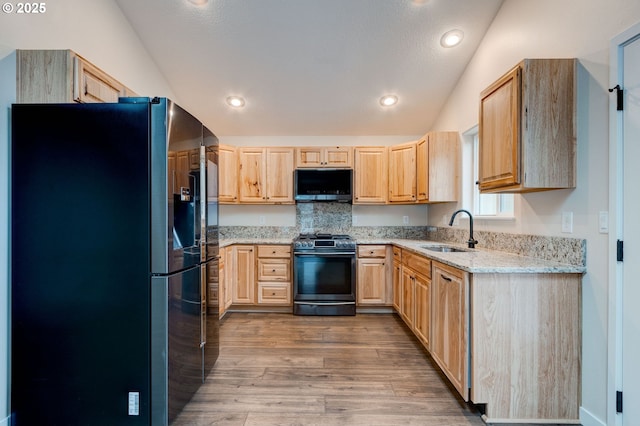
(281, 369)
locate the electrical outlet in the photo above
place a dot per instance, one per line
(262, 220)
(354, 219)
(567, 222)
(405, 220)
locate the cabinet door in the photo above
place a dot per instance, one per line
(450, 325)
(499, 132)
(252, 175)
(279, 180)
(309, 157)
(94, 85)
(407, 286)
(397, 287)
(372, 281)
(370, 179)
(422, 325)
(422, 169)
(229, 278)
(337, 156)
(227, 174)
(402, 173)
(222, 282)
(244, 262)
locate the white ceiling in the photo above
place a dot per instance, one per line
(311, 67)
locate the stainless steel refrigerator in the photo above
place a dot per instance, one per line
(114, 244)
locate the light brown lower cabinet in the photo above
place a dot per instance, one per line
(243, 288)
(258, 275)
(274, 274)
(450, 329)
(509, 341)
(526, 346)
(373, 284)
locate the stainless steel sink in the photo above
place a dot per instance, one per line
(444, 249)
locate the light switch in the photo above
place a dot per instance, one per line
(567, 222)
(405, 220)
(603, 222)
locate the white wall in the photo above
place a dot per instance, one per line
(551, 28)
(231, 215)
(98, 31)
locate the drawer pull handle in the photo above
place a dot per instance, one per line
(446, 278)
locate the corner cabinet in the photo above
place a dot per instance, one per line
(370, 175)
(63, 76)
(438, 167)
(425, 171)
(265, 175)
(527, 128)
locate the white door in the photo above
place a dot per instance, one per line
(631, 233)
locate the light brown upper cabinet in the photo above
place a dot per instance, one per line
(528, 128)
(227, 174)
(63, 76)
(370, 175)
(425, 171)
(402, 173)
(438, 166)
(265, 175)
(324, 156)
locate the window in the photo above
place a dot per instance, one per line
(484, 205)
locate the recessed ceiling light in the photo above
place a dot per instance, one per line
(235, 101)
(388, 100)
(199, 2)
(451, 38)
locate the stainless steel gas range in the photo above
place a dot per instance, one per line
(324, 275)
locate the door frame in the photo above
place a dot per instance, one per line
(616, 161)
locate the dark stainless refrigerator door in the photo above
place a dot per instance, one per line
(210, 188)
(176, 140)
(176, 342)
(79, 264)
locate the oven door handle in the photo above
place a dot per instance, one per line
(341, 254)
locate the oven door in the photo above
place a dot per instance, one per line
(324, 277)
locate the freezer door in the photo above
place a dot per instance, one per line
(176, 342)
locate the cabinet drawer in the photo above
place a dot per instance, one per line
(274, 270)
(418, 263)
(372, 251)
(277, 293)
(397, 254)
(274, 251)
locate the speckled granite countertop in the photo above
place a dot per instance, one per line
(471, 260)
(482, 260)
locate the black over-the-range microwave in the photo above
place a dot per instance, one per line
(323, 185)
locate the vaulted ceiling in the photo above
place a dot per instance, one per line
(311, 67)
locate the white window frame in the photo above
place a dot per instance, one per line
(497, 206)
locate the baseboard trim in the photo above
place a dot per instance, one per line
(588, 419)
